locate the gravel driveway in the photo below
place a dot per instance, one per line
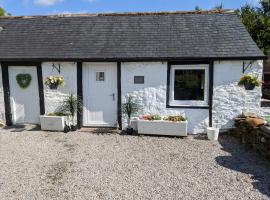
(43, 165)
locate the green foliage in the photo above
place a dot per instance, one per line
(23, 80)
(58, 80)
(57, 114)
(218, 7)
(249, 79)
(197, 8)
(2, 12)
(178, 118)
(70, 106)
(257, 22)
(130, 107)
(151, 117)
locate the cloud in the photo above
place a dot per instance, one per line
(46, 2)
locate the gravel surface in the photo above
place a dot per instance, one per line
(43, 165)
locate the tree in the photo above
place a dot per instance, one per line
(257, 22)
(2, 12)
(197, 8)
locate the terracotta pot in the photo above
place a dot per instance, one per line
(249, 86)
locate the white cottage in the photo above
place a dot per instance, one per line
(105, 57)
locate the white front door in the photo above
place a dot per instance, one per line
(24, 101)
(100, 94)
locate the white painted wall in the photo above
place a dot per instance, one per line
(229, 99)
(2, 104)
(53, 98)
(151, 96)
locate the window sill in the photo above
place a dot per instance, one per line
(187, 106)
(265, 103)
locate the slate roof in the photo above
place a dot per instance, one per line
(126, 36)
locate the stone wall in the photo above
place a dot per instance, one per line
(53, 98)
(255, 138)
(229, 99)
(151, 96)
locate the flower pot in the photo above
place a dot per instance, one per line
(212, 133)
(162, 127)
(53, 123)
(73, 128)
(53, 86)
(249, 86)
(129, 131)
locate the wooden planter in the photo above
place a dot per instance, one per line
(161, 127)
(53, 123)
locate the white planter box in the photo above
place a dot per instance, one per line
(161, 127)
(52, 123)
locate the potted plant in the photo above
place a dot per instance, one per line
(249, 82)
(53, 82)
(70, 106)
(155, 125)
(129, 108)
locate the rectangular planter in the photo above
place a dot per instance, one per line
(52, 123)
(162, 128)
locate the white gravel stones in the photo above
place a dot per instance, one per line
(42, 165)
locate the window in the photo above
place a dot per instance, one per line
(100, 76)
(138, 79)
(189, 85)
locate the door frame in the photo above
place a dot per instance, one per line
(80, 93)
(6, 87)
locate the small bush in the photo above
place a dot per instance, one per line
(177, 118)
(57, 114)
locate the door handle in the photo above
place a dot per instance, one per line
(113, 96)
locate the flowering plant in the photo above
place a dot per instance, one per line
(150, 117)
(248, 79)
(177, 118)
(54, 81)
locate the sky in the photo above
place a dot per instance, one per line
(46, 7)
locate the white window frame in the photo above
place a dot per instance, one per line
(191, 103)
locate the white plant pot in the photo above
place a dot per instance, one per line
(161, 127)
(53, 123)
(212, 133)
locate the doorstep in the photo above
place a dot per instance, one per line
(101, 130)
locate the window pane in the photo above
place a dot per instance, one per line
(100, 76)
(189, 85)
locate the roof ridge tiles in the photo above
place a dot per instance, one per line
(121, 14)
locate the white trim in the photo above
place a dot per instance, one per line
(173, 102)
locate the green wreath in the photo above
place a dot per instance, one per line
(23, 80)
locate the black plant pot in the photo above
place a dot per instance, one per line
(53, 86)
(73, 128)
(249, 86)
(129, 131)
(66, 128)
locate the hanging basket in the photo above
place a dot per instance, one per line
(53, 86)
(249, 86)
(53, 82)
